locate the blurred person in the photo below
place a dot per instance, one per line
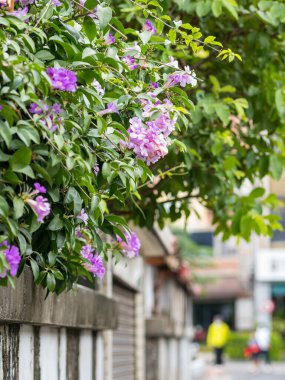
(252, 352)
(263, 340)
(217, 338)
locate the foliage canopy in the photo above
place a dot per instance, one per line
(83, 136)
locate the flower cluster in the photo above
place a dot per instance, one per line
(62, 79)
(131, 247)
(13, 257)
(39, 205)
(51, 118)
(149, 140)
(130, 62)
(182, 78)
(94, 263)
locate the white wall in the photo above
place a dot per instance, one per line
(244, 314)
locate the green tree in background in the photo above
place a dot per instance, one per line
(235, 133)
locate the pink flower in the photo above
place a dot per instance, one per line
(94, 263)
(62, 79)
(130, 248)
(40, 206)
(56, 3)
(83, 216)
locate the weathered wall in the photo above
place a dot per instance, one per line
(54, 339)
(47, 353)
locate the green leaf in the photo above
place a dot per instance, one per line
(106, 170)
(104, 15)
(275, 166)
(217, 7)
(51, 283)
(56, 223)
(72, 196)
(19, 205)
(27, 133)
(172, 36)
(21, 159)
(4, 207)
(35, 269)
(257, 192)
(223, 112)
(6, 133)
(44, 55)
(89, 28)
(228, 4)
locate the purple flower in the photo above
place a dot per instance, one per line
(27, 2)
(39, 188)
(1, 107)
(130, 62)
(20, 12)
(148, 144)
(183, 78)
(83, 216)
(154, 84)
(96, 170)
(86, 251)
(94, 262)
(56, 108)
(62, 79)
(40, 206)
(13, 258)
(56, 3)
(109, 39)
(78, 233)
(130, 248)
(98, 87)
(34, 108)
(148, 27)
(111, 108)
(50, 117)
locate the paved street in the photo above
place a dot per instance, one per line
(241, 371)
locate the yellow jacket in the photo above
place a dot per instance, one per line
(218, 335)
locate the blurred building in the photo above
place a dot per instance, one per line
(269, 265)
(223, 285)
(244, 282)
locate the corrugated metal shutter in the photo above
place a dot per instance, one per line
(124, 336)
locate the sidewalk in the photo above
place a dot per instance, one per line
(242, 371)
